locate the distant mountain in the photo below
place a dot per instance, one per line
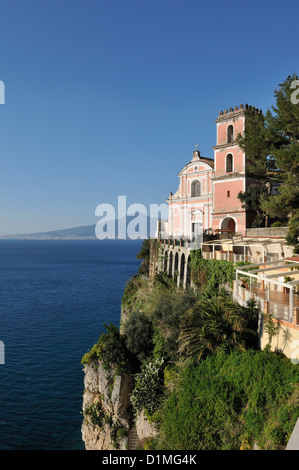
(80, 233)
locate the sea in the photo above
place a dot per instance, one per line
(55, 298)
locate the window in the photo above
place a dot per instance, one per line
(229, 163)
(230, 134)
(195, 189)
(228, 193)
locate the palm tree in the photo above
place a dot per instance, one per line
(212, 325)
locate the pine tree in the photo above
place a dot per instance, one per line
(255, 145)
(282, 131)
(251, 201)
(271, 144)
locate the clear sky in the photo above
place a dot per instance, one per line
(108, 97)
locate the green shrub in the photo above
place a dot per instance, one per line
(210, 275)
(216, 324)
(148, 387)
(111, 350)
(117, 434)
(229, 399)
(170, 308)
(159, 344)
(138, 331)
(150, 444)
(95, 413)
(131, 290)
(144, 252)
(292, 236)
(277, 223)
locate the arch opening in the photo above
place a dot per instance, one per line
(182, 269)
(176, 266)
(229, 225)
(170, 263)
(230, 134)
(165, 261)
(229, 163)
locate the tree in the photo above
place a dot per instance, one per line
(138, 331)
(255, 145)
(251, 200)
(213, 325)
(282, 131)
(271, 144)
(111, 350)
(271, 328)
(144, 250)
(292, 237)
(148, 387)
(144, 256)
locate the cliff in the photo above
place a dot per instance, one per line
(108, 423)
(185, 371)
(105, 408)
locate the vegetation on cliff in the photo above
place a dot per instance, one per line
(231, 401)
(198, 370)
(110, 350)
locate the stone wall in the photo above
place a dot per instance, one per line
(271, 232)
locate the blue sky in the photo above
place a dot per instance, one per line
(108, 97)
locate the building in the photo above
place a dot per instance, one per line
(190, 207)
(206, 202)
(275, 287)
(207, 196)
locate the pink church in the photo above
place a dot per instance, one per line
(207, 197)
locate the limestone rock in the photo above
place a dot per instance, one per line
(112, 391)
(144, 429)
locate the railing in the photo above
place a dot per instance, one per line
(173, 242)
(280, 311)
(229, 256)
(237, 257)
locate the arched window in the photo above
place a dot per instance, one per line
(195, 189)
(229, 163)
(230, 133)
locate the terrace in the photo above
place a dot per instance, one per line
(274, 285)
(241, 249)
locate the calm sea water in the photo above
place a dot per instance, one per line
(55, 297)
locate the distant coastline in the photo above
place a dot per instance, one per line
(35, 237)
(84, 232)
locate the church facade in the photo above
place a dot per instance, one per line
(207, 196)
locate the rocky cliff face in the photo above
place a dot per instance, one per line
(108, 423)
(105, 406)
